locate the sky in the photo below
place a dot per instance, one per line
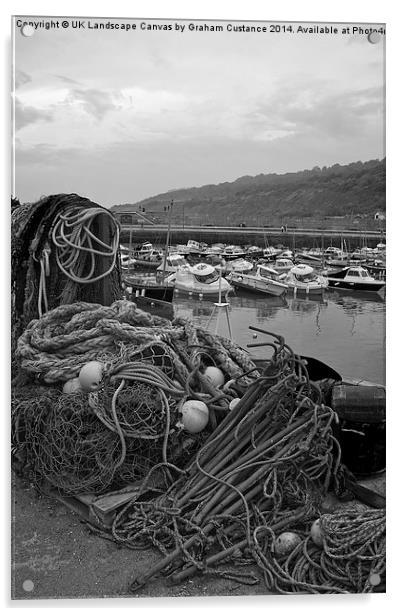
(121, 115)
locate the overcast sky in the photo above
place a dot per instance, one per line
(119, 116)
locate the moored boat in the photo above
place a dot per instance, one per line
(194, 247)
(282, 265)
(303, 279)
(201, 279)
(173, 262)
(307, 258)
(146, 286)
(254, 252)
(240, 266)
(270, 253)
(233, 252)
(265, 280)
(355, 278)
(141, 255)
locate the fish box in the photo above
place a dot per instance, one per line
(361, 432)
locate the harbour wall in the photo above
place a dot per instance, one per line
(292, 238)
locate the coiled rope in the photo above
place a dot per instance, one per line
(74, 240)
(72, 236)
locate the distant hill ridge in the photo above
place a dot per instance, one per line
(340, 190)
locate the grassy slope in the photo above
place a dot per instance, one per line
(348, 190)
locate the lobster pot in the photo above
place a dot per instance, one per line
(361, 410)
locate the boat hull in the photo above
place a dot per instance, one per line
(147, 263)
(200, 289)
(150, 289)
(306, 289)
(367, 287)
(254, 285)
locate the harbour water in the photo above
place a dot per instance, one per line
(346, 331)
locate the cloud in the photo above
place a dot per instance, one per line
(95, 102)
(26, 114)
(21, 79)
(329, 115)
(67, 80)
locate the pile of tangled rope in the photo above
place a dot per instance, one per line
(212, 502)
(265, 469)
(80, 442)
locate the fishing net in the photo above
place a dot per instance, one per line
(28, 407)
(158, 354)
(139, 411)
(74, 452)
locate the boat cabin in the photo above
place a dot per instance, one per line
(358, 272)
(304, 273)
(204, 273)
(194, 246)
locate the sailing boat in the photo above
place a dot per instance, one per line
(148, 285)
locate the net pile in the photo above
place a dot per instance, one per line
(104, 440)
(210, 502)
(265, 469)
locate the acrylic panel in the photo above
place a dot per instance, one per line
(198, 231)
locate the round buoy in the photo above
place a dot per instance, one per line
(286, 543)
(195, 416)
(215, 376)
(71, 386)
(90, 376)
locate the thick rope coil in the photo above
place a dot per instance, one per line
(72, 236)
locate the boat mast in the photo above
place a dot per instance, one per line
(170, 206)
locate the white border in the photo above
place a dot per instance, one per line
(307, 10)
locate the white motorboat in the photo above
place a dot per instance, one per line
(240, 266)
(254, 252)
(283, 265)
(201, 279)
(215, 249)
(141, 254)
(303, 279)
(270, 253)
(286, 254)
(355, 278)
(233, 252)
(194, 247)
(173, 262)
(265, 280)
(336, 256)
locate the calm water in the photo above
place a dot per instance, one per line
(346, 331)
